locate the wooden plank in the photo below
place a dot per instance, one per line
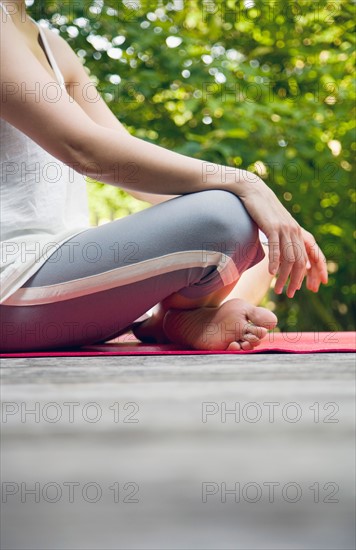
(164, 436)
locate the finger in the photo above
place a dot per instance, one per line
(273, 253)
(316, 257)
(299, 268)
(317, 274)
(312, 282)
(313, 279)
(303, 275)
(286, 264)
(322, 267)
(282, 278)
(296, 278)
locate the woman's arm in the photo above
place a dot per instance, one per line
(83, 91)
(36, 105)
(89, 138)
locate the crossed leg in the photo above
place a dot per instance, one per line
(186, 255)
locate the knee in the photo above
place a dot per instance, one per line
(224, 219)
(226, 226)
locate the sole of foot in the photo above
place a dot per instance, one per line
(232, 326)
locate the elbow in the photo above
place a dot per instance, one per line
(75, 152)
(94, 154)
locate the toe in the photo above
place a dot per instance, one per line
(234, 346)
(252, 338)
(246, 345)
(255, 331)
(262, 317)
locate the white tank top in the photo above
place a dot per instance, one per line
(43, 202)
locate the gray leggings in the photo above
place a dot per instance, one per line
(101, 281)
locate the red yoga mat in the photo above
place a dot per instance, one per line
(275, 342)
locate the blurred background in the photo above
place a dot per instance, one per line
(265, 86)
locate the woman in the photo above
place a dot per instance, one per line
(66, 284)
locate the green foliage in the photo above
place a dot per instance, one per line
(268, 88)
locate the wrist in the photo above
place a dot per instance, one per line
(228, 178)
(246, 183)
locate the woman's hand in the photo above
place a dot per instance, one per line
(293, 252)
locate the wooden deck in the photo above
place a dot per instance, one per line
(143, 453)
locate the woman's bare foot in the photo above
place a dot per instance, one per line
(151, 330)
(234, 325)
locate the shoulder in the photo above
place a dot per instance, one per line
(65, 57)
(55, 41)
